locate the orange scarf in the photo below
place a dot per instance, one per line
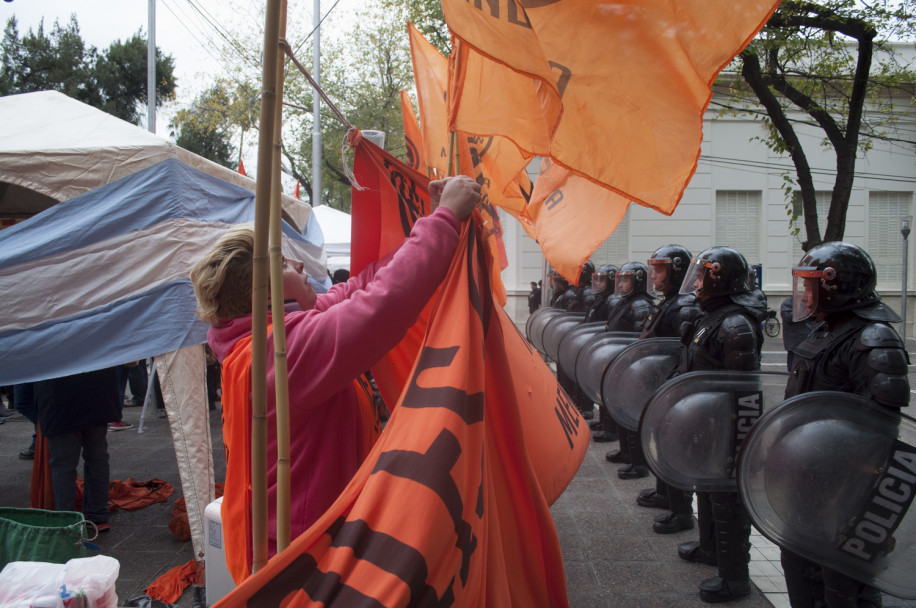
(236, 398)
(236, 506)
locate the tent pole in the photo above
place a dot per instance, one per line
(259, 290)
(281, 380)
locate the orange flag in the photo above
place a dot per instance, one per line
(634, 78)
(430, 73)
(416, 159)
(614, 93)
(296, 191)
(556, 212)
(451, 506)
(242, 168)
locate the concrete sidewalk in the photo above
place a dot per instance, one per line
(612, 557)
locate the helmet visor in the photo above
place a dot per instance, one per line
(624, 284)
(599, 282)
(659, 273)
(693, 279)
(806, 281)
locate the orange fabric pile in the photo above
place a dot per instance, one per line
(169, 587)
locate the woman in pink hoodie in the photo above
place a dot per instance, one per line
(334, 338)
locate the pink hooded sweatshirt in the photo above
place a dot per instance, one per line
(350, 329)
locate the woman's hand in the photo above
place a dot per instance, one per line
(459, 193)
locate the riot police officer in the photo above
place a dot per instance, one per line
(602, 290)
(632, 305)
(561, 289)
(852, 349)
(667, 268)
(581, 294)
(630, 310)
(727, 336)
(603, 281)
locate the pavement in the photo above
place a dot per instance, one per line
(611, 555)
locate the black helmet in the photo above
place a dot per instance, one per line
(718, 271)
(631, 278)
(833, 277)
(603, 279)
(667, 268)
(585, 275)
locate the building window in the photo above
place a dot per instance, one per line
(616, 248)
(885, 243)
(738, 221)
(823, 207)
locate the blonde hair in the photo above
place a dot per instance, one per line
(222, 278)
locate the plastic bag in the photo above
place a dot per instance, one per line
(87, 582)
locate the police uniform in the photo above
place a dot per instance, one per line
(852, 354)
(727, 336)
(853, 350)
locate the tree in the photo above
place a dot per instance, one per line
(209, 125)
(363, 74)
(427, 16)
(820, 59)
(121, 76)
(58, 60)
(114, 81)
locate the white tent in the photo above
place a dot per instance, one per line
(102, 277)
(335, 225)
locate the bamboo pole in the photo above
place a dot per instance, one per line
(281, 379)
(259, 290)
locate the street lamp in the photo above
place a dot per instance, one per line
(905, 223)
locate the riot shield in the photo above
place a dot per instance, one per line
(693, 425)
(635, 374)
(556, 328)
(572, 343)
(595, 357)
(831, 476)
(534, 327)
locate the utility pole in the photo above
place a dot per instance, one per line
(151, 70)
(316, 109)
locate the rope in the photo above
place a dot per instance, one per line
(353, 134)
(284, 44)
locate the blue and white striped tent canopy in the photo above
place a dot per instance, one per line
(102, 279)
(100, 276)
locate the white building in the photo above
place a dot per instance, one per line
(736, 198)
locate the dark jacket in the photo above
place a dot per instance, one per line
(78, 402)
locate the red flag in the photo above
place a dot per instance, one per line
(296, 191)
(242, 168)
(452, 505)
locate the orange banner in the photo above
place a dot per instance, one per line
(634, 77)
(430, 74)
(451, 508)
(416, 158)
(567, 233)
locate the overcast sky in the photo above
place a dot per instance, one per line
(194, 32)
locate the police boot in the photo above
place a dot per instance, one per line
(637, 468)
(584, 404)
(733, 530)
(671, 523)
(608, 430)
(717, 589)
(693, 551)
(652, 499)
(704, 550)
(632, 471)
(617, 456)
